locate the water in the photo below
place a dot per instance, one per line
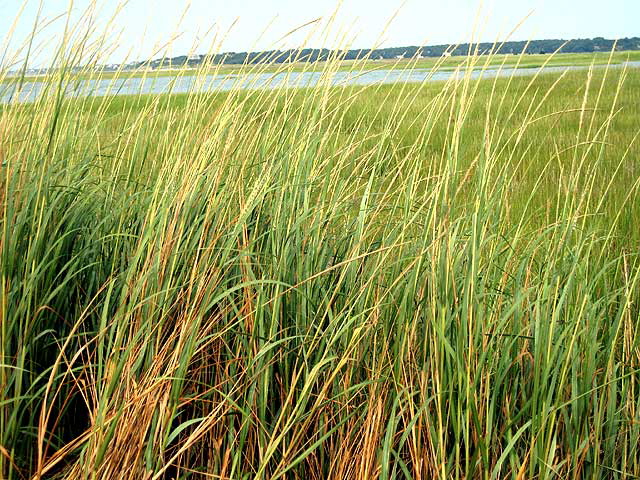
(225, 82)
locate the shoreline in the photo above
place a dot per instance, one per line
(443, 64)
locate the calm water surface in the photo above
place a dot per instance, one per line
(225, 82)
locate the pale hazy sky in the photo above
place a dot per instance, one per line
(145, 25)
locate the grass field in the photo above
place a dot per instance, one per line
(406, 281)
(441, 64)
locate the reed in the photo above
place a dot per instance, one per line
(409, 281)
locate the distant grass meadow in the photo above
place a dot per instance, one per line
(368, 64)
(410, 281)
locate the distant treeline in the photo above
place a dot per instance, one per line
(586, 45)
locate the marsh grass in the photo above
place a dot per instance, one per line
(369, 64)
(408, 281)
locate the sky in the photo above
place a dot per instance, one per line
(143, 29)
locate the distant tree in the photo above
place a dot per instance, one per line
(311, 55)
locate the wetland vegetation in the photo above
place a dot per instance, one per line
(435, 280)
